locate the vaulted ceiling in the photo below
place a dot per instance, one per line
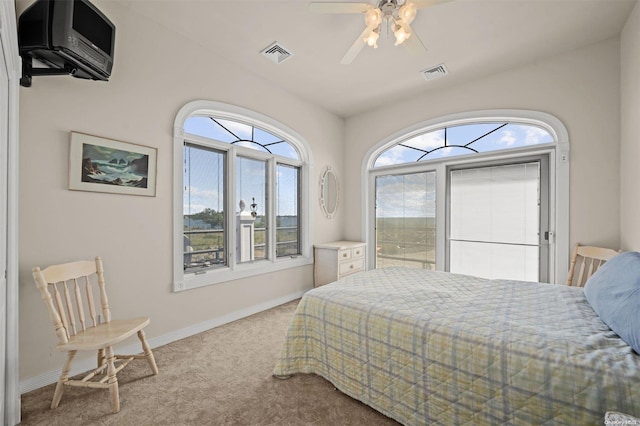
(473, 38)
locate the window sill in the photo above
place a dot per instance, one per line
(217, 276)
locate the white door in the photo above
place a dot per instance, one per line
(497, 221)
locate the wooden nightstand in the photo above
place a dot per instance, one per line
(336, 260)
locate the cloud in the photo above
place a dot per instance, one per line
(241, 130)
(203, 193)
(406, 195)
(536, 135)
(427, 141)
(399, 154)
(508, 138)
(390, 157)
(199, 199)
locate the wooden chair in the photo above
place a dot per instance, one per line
(69, 290)
(588, 259)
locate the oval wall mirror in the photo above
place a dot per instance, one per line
(329, 193)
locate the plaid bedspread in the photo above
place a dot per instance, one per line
(433, 348)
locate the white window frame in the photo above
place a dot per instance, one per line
(557, 152)
(235, 270)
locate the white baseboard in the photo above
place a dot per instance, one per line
(82, 365)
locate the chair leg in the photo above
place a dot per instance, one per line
(64, 377)
(147, 352)
(100, 357)
(112, 380)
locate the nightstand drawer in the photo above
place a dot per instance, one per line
(344, 254)
(355, 265)
(357, 252)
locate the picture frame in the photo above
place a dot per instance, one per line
(99, 164)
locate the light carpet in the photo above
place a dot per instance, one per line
(220, 377)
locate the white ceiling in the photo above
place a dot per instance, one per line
(472, 38)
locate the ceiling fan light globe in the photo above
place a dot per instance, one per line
(373, 18)
(407, 12)
(372, 39)
(401, 35)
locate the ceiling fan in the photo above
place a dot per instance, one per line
(392, 15)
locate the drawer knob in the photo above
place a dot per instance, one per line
(350, 266)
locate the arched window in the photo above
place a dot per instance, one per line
(241, 203)
(242, 134)
(464, 139)
(482, 193)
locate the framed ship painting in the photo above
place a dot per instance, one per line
(105, 165)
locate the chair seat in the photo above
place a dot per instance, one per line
(106, 334)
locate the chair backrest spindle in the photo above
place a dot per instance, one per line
(90, 303)
(80, 306)
(56, 312)
(104, 300)
(71, 330)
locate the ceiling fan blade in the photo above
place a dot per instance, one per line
(420, 4)
(320, 7)
(355, 48)
(413, 44)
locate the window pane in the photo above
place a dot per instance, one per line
(468, 133)
(512, 136)
(495, 221)
(397, 155)
(405, 220)
(463, 140)
(264, 138)
(287, 210)
(203, 209)
(207, 128)
(427, 141)
(241, 131)
(240, 134)
(283, 149)
(251, 184)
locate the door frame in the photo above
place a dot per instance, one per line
(10, 403)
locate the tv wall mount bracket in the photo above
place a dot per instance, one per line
(28, 71)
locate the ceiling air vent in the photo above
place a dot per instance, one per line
(435, 72)
(276, 52)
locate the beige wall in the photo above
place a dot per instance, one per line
(580, 88)
(630, 133)
(154, 75)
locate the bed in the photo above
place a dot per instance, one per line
(425, 347)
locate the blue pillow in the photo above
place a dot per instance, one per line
(613, 291)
